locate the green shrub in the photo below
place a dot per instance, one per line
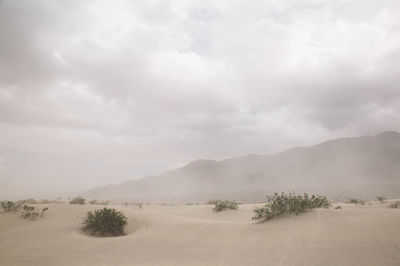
(221, 205)
(10, 206)
(356, 201)
(280, 204)
(381, 199)
(78, 201)
(395, 204)
(105, 222)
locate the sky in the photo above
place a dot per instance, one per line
(101, 92)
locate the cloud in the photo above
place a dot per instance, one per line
(99, 92)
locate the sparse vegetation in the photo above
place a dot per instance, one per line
(338, 207)
(381, 199)
(356, 201)
(78, 201)
(28, 212)
(135, 204)
(96, 202)
(212, 202)
(105, 222)
(221, 205)
(280, 204)
(395, 204)
(10, 206)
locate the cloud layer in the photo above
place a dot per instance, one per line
(104, 91)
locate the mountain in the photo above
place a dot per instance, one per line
(362, 166)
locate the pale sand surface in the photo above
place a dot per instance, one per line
(194, 235)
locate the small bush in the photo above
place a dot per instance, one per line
(78, 201)
(280, 204)
(338, 207)
(356, 201)
(381, 199)
(29, 201)
(28, 212)
(105, 222)
(10, 206)
(222, 205)
(212, 202)
(395, 204)
(96, 202)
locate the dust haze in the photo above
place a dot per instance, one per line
(183, 132)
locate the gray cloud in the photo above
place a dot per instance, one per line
(100, 92)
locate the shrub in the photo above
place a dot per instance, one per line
(280, 204)
(221, 205)
(78, 200)
(28, 212)
(10, 206)
(395, 204)
(212, 202)
(381, 199)
(338, 207)
(356, 201)
(96, 202)
(105, 222)
(29, 201)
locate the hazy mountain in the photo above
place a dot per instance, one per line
(363, 166)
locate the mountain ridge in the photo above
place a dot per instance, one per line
(356, 164)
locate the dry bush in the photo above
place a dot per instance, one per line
(356, 201)
(221, 205)
(78, 201)
(381, 199)
(395, 204)
(28, 212)
(10, 206)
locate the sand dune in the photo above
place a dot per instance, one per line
(194, 235)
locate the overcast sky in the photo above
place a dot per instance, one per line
(100, 92)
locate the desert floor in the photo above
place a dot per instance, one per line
(195, 235)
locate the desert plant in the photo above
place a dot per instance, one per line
(356, 201)
(96, 202)
(105, 222)
(29, 201)
(10, 206)
(222, 205)
(338, 207)
(395, 204)
(78, 201)
(28, 212)
(280, 204)
(381, 199)
(212, 202)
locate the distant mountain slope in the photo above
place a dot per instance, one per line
(363, 166)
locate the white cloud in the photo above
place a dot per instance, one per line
(98, 93)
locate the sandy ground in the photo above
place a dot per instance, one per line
(194, 235)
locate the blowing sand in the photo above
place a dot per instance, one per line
(194, 235)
